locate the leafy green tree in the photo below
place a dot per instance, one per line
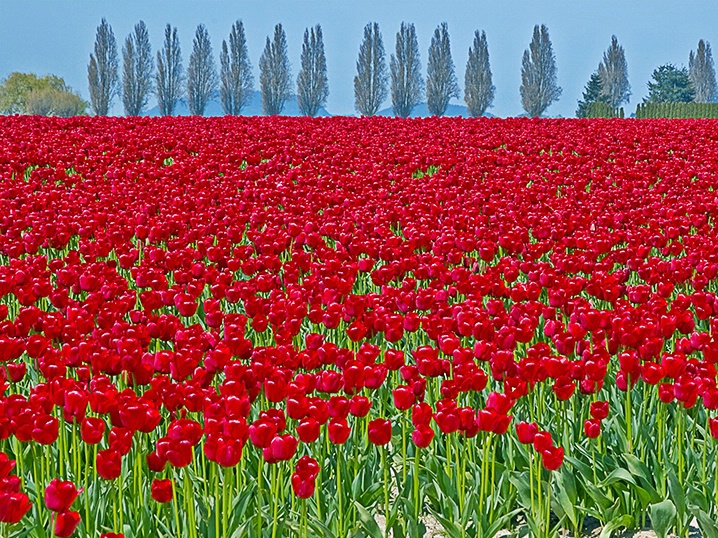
(26, 93)
(670, 84)
(592, 93)
(15, 88)
(51, 102)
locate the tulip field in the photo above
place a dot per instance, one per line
(354, 327)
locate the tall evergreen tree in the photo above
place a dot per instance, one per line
(275, 78)
(539, 84)
(201, 73)
(478, 88)
(370, 82)
(236, 79)
(441, 83)
(702, 73)
(312, 82)
(407, 85)
(613, 71)
(102, 70)
(670, 84)
(137, 70)
(170, 75)
(592, 93)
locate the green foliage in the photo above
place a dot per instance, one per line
(14, 90)
(677, 110)
(591, 94)
(51, 102)
(670, 84)
(602, 109)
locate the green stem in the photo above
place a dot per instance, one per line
(385, 468)
(275, 498)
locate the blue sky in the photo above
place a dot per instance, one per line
(56, 36)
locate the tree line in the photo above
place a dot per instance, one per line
(142, 75)
(234, 84)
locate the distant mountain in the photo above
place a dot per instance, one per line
(254, 108)
(422, 111)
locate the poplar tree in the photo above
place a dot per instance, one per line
(478, 88)
(407, 85)
(102, 70)
(370, 82)
(441, 83)
(312, 82)
(702, 73)
(236, 79)
(201, 73)
(539, 83)
(170, 75)
(137, 70)
(275, 78)
(613, 72)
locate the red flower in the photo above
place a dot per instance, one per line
(599, 410)
(109, 464)
(308, 430)
(60, 494)
(92, 430)
(592, 428)
(422, 435)
(66, 523)
(338, 431)
(13, 506)
(714, 427)
(542, 441)
(526, 432)
(379, 431)
(6, 465)
(161, 490)
(404, 397)
(302, 488)
(552, 458)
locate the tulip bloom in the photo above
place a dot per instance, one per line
(59, 495)
(552, 458)
(109, 464)
(161, 490)
(526, 432)
(592, 428)
(422, 435)
(379, 431)
(13, 506)
(66, 523)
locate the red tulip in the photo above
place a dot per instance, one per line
(422, 435)
(338, 431)
(303, 488)
(59, 495)
(66, 523)
(599, 410)
(92, 430)
(542, 441)
(379, 431)
(308, 430)
(6, 465)
(592, 428)
(552, 458)
(714, 427)
(109, 464)
(13, 506)
(161, 490)
(526, 432)
(404, 397)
